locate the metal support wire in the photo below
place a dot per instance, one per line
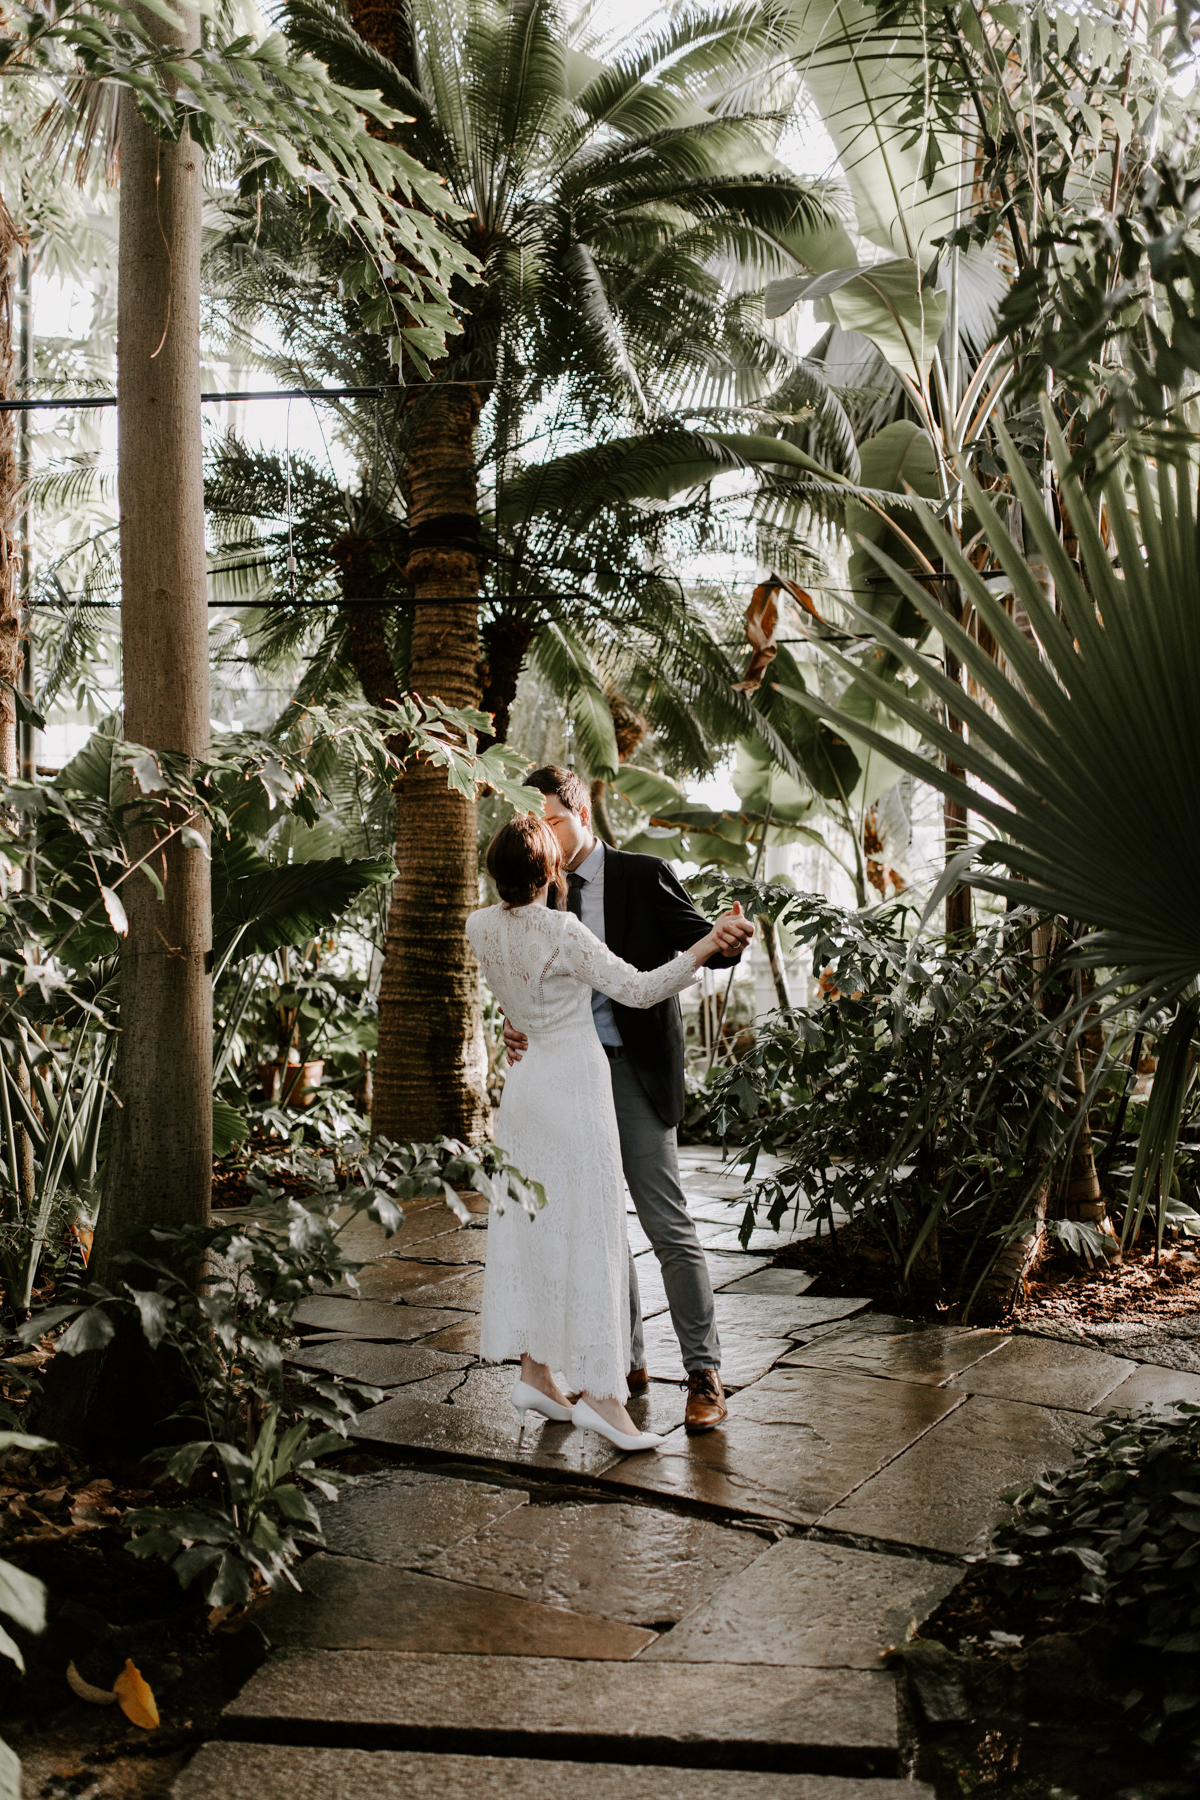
(97, 400)
(716, 1043)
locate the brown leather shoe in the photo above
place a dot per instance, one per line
(639, 1381)
(705, 1402)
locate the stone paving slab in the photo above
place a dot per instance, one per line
(459, 1339)
(464, 1293)
(745, 1355)
(944, 1493)
(705, 1709)
(820, 1605)
(382, 1365)
(639, 1564)
(465, 1244)
(766, 1280)
(1150, 1385)
(409, 1517)
(482, 1434)
(934, 1356)
(287, 1772)
(352, 1604)
(374, 1319)
(395, 1278)
(754, 1330)
(1069, 1376)
(793, 1445)
(763, 1238)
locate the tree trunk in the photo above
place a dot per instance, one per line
(431, 1063)
(506, 640)
(159, 1168)
(11, 500)
(160, 1164)
(366, 640)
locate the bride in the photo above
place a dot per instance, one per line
(556, 1289)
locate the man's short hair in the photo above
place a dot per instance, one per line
(565, 785)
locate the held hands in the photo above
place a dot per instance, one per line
(732, 932)
(728, 937)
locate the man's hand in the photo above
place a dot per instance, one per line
(515, 1042)
(733, 931)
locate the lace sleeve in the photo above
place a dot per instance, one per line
(596, 966)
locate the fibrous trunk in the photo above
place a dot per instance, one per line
(431, 1064)
(160, 1163)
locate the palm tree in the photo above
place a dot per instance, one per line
(605, 199)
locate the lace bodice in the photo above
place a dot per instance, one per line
(542, 967)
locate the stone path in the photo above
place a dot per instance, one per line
(551, 1618)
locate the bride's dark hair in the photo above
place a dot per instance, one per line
(522, 857)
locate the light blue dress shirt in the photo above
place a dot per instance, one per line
(591, 913)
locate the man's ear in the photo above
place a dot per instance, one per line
(585, 816)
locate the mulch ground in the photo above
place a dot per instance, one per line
(1130, 1291)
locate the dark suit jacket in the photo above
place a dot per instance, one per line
(648, 918)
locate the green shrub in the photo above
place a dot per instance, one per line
(916, 1090)
(1120, 1529)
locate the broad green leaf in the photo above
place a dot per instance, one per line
(646, 788)
(91, 1331)
(22, 1598)
(884, 302)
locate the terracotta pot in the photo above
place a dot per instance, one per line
(297, 1088)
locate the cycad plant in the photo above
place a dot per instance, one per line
(1081, 747)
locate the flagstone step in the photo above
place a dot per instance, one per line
(819, 1721)
(349, 1603)
(289, 1772)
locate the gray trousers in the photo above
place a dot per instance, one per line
(652, 1171)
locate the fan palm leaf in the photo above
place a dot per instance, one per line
(1084, 758)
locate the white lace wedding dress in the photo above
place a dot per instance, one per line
(557, 1286)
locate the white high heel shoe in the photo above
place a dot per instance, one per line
(530, 1399)
(586, 1418)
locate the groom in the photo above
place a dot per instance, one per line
(636, 906)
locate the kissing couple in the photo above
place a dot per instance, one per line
(586, 953)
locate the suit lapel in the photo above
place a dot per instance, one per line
(616, 898)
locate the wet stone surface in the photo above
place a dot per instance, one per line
(793, 1445)
(374, 1319)
(409, 1517)
(462, 1293)
(283, 1772)
(461, 1338)
(770, 1281)
(348, 1604)
(944, 1493)
(634, 1563)
(821, 1605)
(395, 1278)
(754, 1329)
(482, 1433)
(687, 1704)
(934, 1356)
(1060, 1375)
(1151, 1386)
(462, 1244)
(382, 1365)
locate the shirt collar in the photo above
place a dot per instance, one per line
(592, 863)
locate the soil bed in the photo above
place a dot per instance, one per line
(1131, 1292)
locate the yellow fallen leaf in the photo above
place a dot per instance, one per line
(136, 1698)
(85, 1690)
